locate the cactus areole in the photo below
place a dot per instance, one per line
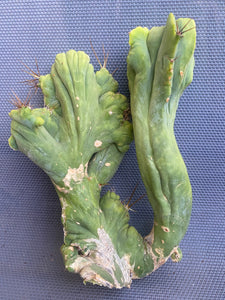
(80, 136)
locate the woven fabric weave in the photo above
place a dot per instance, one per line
(31, 233)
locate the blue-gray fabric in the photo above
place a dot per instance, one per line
(31, 233)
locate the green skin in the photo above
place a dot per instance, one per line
(160, 67)
(80, 137)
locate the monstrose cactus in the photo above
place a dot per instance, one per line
(79, 139)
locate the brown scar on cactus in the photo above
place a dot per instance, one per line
(166, 229)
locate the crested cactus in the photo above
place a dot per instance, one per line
(80, 136)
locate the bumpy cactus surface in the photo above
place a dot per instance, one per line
(79, 139)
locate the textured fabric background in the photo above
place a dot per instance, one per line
(31, 234)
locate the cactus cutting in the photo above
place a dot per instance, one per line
(79, 139)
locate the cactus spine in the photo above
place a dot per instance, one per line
(79, 139)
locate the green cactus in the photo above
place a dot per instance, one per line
(79, 139)
(160, 67)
